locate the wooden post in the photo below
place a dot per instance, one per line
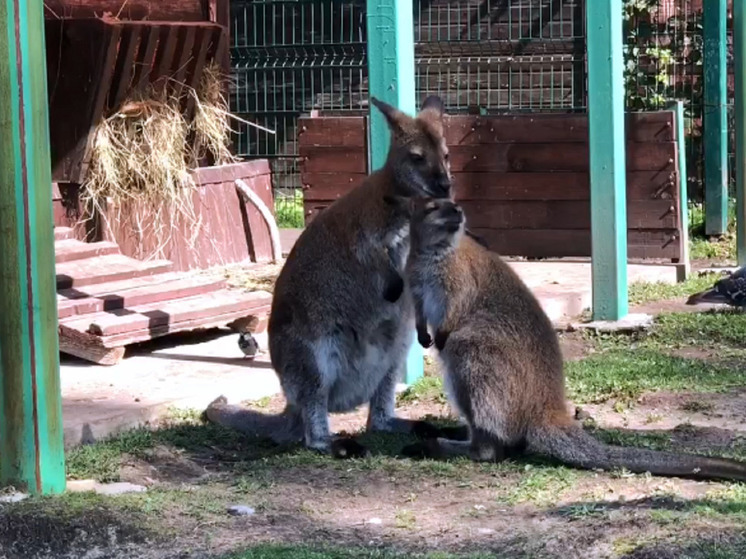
(607, 159)
(715, 116)
(391, 79)
(31, 442)
(739, 55)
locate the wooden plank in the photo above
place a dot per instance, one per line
(138, 295)
(72, 249)
(641, 185)
(125, 67)
(112, 267)
(559, 243)
(88, 347)
(176, 10)
(333, 159)
(100, 289)
(145, 56)
(563, 214)
(538, 157)
(148, 316)
(212, 321)
(62, 233)
(473, 130)
(332, 131)
(164, 56)
(329, 186)
(196, 65)
(162, 313)
(549, 128)
(185, 48)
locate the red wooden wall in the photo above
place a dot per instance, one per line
(523, 180)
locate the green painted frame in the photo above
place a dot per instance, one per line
(31, 433)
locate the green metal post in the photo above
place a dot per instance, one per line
(391, 78)
(31, 447)
(739, 54)
(607, 159)
(684, 267)
(715, 69)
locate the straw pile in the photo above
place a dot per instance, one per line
(142, 157)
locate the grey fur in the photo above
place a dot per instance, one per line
(502, 362)
(338, 333)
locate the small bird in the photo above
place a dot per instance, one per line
(248, 345)
(730, 290)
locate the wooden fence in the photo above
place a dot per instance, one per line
(523, 180)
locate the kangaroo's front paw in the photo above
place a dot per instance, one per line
(345, 448)
(424, 339)
(425, 449)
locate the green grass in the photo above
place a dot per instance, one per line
(700, 247)
(289, 210)
(307, 552)
(644, 292)
(626, 374)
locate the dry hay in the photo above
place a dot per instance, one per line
(139, 182)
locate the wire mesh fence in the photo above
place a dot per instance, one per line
(664, 55)
(291, 57)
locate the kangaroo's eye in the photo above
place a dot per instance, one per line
(416, 157)
(447, 156)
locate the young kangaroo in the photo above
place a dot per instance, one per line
(341, 323)
(502, 362)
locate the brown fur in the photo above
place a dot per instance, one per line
(341, 323)
(502, 363)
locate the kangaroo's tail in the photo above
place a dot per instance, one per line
(571, 445)
(283, 428)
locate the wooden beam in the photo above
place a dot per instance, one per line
(607, 159)
(391, 79)
(715, 68)
(31, 434)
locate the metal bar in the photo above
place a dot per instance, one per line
(31, 447)
(607, 159)
(391, 77)
(739, 55)
(715, 14)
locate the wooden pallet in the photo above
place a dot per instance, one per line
(107, 301)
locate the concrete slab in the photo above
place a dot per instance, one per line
(564, 287)
(169, 373)
(98, 401)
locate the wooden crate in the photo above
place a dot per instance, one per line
(523, 180)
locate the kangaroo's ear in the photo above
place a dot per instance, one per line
(394, 117)
(435, 104)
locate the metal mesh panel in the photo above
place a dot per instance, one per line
(498, 55)
(290, 57)
(664, 63)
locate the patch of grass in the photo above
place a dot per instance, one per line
(307, 552)
(583, 510)
(289, 210)
(701, 247)
(725, 328)
(425, 389)
(625, 374)
(541, 485)
(405, 519)
(644, 292)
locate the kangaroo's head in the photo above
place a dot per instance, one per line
(436, 225)
(418, 155)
